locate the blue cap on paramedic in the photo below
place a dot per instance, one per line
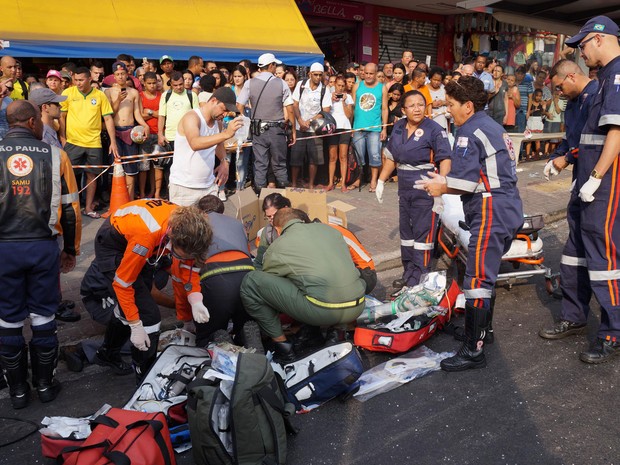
(599, 24)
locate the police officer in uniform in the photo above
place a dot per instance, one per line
(271, 103)
(38, 201)
(570, 80)
(598, 181)
(484, 173)
(415, 146)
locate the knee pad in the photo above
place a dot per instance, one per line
(44, 335)
(11, 340)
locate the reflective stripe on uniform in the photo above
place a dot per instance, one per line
(174, 278)
(609, 119)
(479, 293)
(408, 167)
(40, 320)
(153, 328)
(407, 242)
(592, 139)
(606, 275)
(226, 269)
(191, 268)
(351, 243)
(351, 303)
(121, 282)
(423, 245)
(573, 261)
(148, 219)
(488, 147)
(461, 184)
(56, 189)
(69, 198)
(388, 154)
(8, 324)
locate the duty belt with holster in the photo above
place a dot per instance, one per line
(258, 126)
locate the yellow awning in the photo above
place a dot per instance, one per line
(223, 30)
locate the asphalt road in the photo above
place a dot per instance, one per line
(535, 403)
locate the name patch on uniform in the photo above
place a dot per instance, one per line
(444, 134)
(617, 80)
(462, 142)
(19, 164)
(509, 146)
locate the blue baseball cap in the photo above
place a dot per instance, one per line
(598, 24)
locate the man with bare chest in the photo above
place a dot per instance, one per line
(127, 108)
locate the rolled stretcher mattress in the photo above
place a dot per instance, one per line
(453, 213)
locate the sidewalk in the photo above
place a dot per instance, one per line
(376, 226)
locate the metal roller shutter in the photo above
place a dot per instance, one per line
(396, 35)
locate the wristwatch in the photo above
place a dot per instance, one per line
(596, 175)
(150, 112)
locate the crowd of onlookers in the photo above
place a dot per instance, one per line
(163, 92)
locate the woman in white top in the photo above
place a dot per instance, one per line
(342, 111)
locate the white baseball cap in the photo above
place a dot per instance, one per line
(266, 59)
(317, 68)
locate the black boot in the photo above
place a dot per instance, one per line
(284, 352)
(252, 337)
(73, 356)
(489, 337)
(308, 337)
(15, 370)
(471, 353)
(43, 361)
(109, 354)
(142, 360)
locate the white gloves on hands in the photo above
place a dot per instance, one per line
(199, 311)
(379, 190)
(550, 170)
(438, 205)
(139, 338)
(586, 193)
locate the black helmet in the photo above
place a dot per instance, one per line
(323, 125)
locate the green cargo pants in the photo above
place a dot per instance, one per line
(264, 296)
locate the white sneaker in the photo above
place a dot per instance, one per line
(222, 195)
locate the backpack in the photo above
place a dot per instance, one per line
(354, 169)
(187, 92)
(303, 87)
(248, 429)
(123, 437)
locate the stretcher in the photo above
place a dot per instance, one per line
(526, 249)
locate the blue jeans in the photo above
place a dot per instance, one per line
(371, 141)
(520, 120)
(241, 165)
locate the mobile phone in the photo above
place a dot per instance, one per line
(339, 95)
(123, 89)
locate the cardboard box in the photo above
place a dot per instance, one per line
(337, 212)
(249, 208)
(247, 211)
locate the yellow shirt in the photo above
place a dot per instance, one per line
(174, 110)
(84, 113)
(18, 92)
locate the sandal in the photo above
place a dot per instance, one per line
(352, 187)
(93, 215)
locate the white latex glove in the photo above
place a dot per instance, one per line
(586, 193)
(438, 205)
(379, 190)
(199, 311)
(139, 338)
(550, 170)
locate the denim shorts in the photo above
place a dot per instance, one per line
(368, 141)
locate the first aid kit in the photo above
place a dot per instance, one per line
(124, 437)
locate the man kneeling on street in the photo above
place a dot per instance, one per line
(308, 274)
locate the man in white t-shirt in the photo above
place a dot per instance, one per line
(199, 140)
(307, 104)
